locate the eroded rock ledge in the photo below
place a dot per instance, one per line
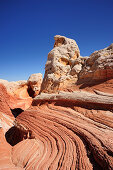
(80, 96)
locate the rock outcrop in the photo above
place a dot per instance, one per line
(34, 84)
(15, 87)
(62, 66)
(99, 65)
(79, 96)
(65, 68)
(18, 94)
(21, 92)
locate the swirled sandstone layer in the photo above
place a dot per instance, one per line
(64, 134)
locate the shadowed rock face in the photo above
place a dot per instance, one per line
(63, 130)
(17, 134)
(16, 111)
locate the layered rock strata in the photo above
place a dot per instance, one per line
(21, 92)
(6, 122)
(15, 87)
(18, 94)
(67, 136)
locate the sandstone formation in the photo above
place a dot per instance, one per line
(65, 68)
(6, 122)
(5, 155)
(62, 66)
(34, 84)
(18, 94)
(79, 96)
(4, 97)
(12, 87)
(99, 65)
(70, 137)
(10, 100)
(69, 124)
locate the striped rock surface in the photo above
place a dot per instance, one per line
(65, 135)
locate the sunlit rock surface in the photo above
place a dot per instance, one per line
(99, 65)
(18, 94)
(34, 84)
(69, 125)
(62, 66)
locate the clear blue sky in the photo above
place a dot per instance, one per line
(27, 28)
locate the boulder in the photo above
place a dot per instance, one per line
(34, 84)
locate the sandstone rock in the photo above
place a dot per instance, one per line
(16, 88)
(34, 83)
(6, 122)
(67, 135)
(18, 96)
(62, 66)
(6, 117)
(99, 65)
(4, 101)
(80, 96)
(5, 155)
(13, 86)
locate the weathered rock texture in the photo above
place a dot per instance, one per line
(5, 154)
(14, 87)
(18, 94)
(63, 130)
(68, 135)
(99, 65)
(34, 84)
(63, 65)
(4, 99)
(65, 68)
(21, 91)
(6, 122)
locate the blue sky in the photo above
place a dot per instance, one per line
(27, 28)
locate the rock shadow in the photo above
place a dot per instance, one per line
(15, 135)
(16, 111)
